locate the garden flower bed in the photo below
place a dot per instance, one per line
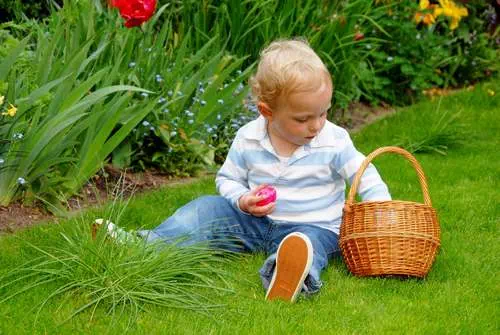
(149, 93)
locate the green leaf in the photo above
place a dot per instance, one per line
(11, 58)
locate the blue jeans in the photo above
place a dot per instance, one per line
(214, 220)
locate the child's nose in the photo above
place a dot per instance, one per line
(315, 125)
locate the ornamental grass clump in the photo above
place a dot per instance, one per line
(121, 279)
(444, 133)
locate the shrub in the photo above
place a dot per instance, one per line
(17, 9)
(417, 56)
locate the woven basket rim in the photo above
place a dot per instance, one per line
(403, 202)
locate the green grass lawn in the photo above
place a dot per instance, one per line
(460, 295)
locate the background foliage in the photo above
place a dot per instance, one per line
(170, 95)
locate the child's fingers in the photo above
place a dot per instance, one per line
(263, 210)
(269, 208)
(253, 200)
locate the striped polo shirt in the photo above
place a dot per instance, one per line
(310, 185)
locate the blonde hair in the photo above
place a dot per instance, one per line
(286, 67)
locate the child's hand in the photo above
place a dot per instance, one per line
(248, 203)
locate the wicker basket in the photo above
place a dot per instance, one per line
(389, 237)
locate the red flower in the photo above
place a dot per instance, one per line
(135, 12)
(359, 36)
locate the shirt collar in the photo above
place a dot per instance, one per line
(257, 130)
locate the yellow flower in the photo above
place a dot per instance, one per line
(11, 111)
(2, 98)
(490, 92)
(424, 4)
(450, 9)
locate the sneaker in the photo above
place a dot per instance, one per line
(115, 232)
(293, 262)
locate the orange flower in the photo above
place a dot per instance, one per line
(425, 18)
(429, 19)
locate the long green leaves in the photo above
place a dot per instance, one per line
(76, 90)
(7, 63)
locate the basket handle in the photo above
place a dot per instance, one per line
(396, 150)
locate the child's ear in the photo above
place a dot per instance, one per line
(264, 110)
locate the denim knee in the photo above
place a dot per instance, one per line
(190, 222)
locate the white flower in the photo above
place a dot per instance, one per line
(131, 64)
(220, 101)
(2, 161)
(21, 181)
(145, 123)
(390, 59)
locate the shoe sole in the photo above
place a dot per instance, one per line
(292, 266)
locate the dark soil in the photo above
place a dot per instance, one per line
(102, 186)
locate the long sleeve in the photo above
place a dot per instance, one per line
(347, 163)
(232, 177)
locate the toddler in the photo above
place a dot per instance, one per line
(307, 159)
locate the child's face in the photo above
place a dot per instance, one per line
(298, 118)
